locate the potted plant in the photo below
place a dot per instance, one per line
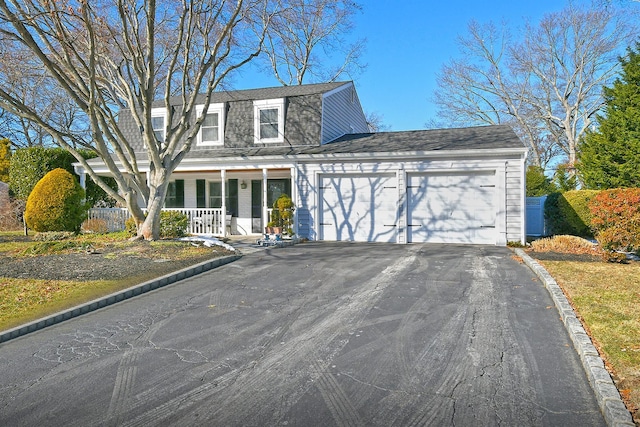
(282, 216)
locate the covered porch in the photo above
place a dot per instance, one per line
(221, 202)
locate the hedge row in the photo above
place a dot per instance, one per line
(611, 216)
(568, 213)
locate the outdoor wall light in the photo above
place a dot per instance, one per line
(243, 184)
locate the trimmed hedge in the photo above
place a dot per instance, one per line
(616, 219)
(56, 203)
(568, 213)
(29, 165)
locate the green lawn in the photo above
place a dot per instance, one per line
(606, 297)
(25, 300)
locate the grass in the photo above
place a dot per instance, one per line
(606, 297)
(25, 300)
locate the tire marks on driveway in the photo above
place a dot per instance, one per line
(313, 335)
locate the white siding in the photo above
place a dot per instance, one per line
(342, 114)
(514, 200)
(508, 189)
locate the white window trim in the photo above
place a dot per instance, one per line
(268, 104)
(220, 110)
(161, 112)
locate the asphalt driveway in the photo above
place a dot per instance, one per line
(315, 334)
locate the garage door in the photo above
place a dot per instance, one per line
(361, 208)
(452, 208)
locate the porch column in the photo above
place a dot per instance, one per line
(265, 206)
(223, 175)
(79, 170)
(294, 197)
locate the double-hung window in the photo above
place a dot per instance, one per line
(269, 120)
(212, 128)
(158, 121)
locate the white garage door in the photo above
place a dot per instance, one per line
(452, 208)
(361, 208)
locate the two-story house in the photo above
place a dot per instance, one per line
(312, 142)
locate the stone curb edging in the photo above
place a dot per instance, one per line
(614, 411)
(116, 297)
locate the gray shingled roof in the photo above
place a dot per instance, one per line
(266, 93)
(473, 138)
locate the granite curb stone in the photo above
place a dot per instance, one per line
(614, 411)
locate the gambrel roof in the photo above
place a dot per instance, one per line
(265, 93)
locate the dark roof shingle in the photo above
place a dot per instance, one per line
(473, 138)
(264, 93)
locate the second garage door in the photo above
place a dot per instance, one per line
(361, 208)
(452, 208)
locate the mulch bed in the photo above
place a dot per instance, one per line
(562, 256)
(104, 264)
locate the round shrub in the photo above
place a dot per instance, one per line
(173, 224)
(130, 226)
(56, 203)
(616, 219)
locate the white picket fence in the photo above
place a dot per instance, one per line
(207, 221)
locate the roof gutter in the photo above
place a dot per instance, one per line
(287, 159)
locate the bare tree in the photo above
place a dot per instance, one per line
(28, 80)
(108, 55)
(307, 40)
(547, 85)
(376, 122)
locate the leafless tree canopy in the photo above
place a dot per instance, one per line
(106, 55)
(306, 41)
(546, 84)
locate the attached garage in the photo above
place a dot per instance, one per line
(452, 207)
(462, 185)
(361, 208)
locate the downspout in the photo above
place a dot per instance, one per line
(523, 198)
(294, 197)
(265, 206)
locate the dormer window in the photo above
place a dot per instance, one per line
(212, 128)
(269, 120)
(158, 118)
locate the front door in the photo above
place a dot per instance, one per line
(275, 188)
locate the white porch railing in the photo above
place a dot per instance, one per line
(209, 221)
(114, 217)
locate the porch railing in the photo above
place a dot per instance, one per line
(207, 221)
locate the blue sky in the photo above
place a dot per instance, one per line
(407, 44)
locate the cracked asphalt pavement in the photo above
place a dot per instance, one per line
(317, 334)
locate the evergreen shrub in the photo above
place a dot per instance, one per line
(574, 206)
(173, 224)
(56, 203)
(568, 213)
